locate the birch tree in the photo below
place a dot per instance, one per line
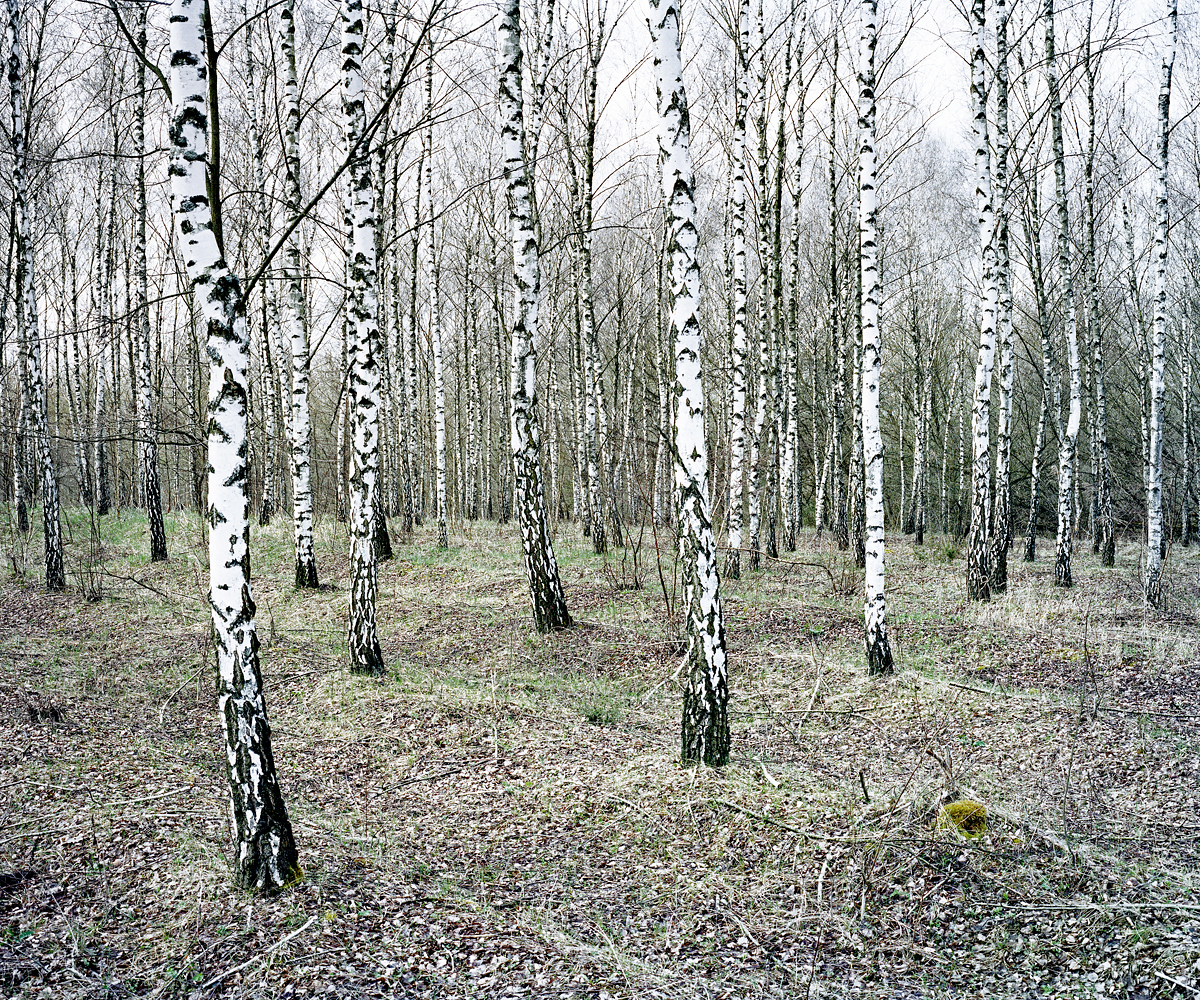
(545, 588)
(1067, 448)
(265, 850)
(297, 319)
(1106, 534)
(879, 653)
(737, 199)
(1158, 365)
(705, 730)
(362, 321)
(1002, 527)
(435, 317)
(33, 389)
(978, 548)
(145, 409)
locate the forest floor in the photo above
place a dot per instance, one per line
(505, 813)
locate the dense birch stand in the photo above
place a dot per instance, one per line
(879, 652)
(362, 323)
(1158, 363)
(297, 319)
(705, 730)
(545, 588)
(1070, 435)
(33, 390)
(978, 547)
(265, 856)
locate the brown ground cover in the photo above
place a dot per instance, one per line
(505, 814)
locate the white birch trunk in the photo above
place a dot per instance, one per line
(363, 375)
(265, 849)
(1158, 368)
(297, 319)
(545, 588)
(103, 361)
(1002, 529)
(978, 548)
(1185, 377)
(705, 729)
(435, 317)
(1067, 450)
(762, 402)
(28, 338)
(737, 200)
(145, 410)
(878, 651)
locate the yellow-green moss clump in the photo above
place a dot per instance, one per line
(967, 817)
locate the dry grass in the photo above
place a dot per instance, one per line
(505, 814)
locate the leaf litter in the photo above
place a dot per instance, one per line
(505, 814)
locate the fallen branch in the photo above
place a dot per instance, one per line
(259, 957)
(171, 696)
(430, 777)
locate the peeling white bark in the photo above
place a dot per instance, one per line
(297, 320)
(978, 548)
(362, 302)
(1158, 365)
(705, 729)
(878, 651)
(545, 588)
(265, 849)
(33, 389)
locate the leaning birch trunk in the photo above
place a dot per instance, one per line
(297, 319)
(1066, 459)
(545, 588)
(265, 849)
(705, 730)
(1158, 383)
(978, 548)
(879, 653)
(33, 388)
(737, 199)
(1002, 528)
(362, 302)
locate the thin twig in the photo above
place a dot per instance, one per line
(260, 956)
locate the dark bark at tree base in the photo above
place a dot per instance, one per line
(1000, 569)
(978, 577)
(267, 512)
(383, 541)
(306, 575)
(1062, 571)
(705, 731)
(879, 657)
(266, 857)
